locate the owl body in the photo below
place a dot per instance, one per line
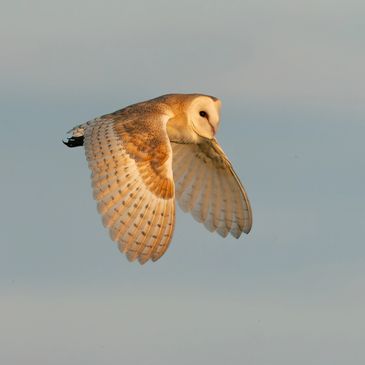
(149, 154)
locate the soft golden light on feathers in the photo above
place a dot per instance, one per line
(145, 155)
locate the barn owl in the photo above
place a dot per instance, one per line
(146, 156)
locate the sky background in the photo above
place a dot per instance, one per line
(291, 78)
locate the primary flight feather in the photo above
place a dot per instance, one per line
(145, 156)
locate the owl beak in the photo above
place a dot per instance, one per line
(213, 129)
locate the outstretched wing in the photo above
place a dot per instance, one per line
(208, 187)
(130, 159)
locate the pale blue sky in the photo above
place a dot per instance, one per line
(291, 78)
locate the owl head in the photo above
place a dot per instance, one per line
(196, 116)
(203, 115)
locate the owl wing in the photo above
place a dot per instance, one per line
(207, 186)
(132, 180)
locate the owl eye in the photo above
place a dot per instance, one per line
(203, 114)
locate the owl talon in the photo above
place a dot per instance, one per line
(74, 141)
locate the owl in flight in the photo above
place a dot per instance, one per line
(145, 156)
